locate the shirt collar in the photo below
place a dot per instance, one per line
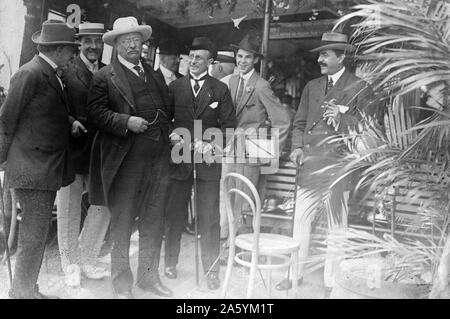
(91, 66)
(129, 65)
(165, 71)
(48, 60)
(200, 76)
(335, 77)
(248, 75)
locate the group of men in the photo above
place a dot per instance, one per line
(110, 130)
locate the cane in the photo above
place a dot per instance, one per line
(195, 225)
(8, 258)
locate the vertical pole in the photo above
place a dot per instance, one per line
(265, 38)
(43, 11)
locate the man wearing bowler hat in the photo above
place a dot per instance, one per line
(34, 141)
(128, 103)
(169, 57)
(202, 98)
(79, 252)
(329, 105)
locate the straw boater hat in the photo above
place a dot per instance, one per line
(204, 43)
(126, 25)
(88, 28)
(334, 41)
(249, 44)
(225, 57)
(55, 32)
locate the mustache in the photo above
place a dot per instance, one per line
(323, 64)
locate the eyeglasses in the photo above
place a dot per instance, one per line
(128, 41)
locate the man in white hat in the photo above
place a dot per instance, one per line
(79, 253)
(34, 140)
(329, 105)
(223, 66)
(128, 103)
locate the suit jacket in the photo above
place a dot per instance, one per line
(110, 104)
(259, 104)
(78, 79)
(309, 127)
(219, 116)
(35, 129)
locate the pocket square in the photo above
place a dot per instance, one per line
(213, 105)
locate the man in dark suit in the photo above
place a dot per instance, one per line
(35, 127)
(169, 59)
(197, 97)
(130, 156)
(329, 106)
(79, 252)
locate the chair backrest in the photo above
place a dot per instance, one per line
(228, 184)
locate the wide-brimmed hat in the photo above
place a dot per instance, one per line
(204, 43)
(169, 47)
(126, 25)
(334, 41)
(55, 32)
(225, 57)
(249, 44)
(88, 28)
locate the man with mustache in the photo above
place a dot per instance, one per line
(79, 252)
(329, 105)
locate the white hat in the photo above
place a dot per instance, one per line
(126, 25)
(88, 28)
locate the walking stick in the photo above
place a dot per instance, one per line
(195, 226)
(8, 258)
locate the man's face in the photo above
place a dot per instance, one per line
(199, 61)
(170, 61)
(64, 54)
(129, 46)
(329, 62)
(91, 47)
(246, 61)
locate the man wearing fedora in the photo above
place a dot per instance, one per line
(329, 105)
(128, 103)
(169, 58)
(35, 127)
(256, 105)
(79, 252)
(197, 97)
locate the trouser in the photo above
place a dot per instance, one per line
(137, 193)
(208, 218)
(36, 206)
(76, 248)
(252, 172)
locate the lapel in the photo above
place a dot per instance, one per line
(119, 80)
(234, 80)
(248, 91)
(50, 74)
(82, 72)
(204, 96)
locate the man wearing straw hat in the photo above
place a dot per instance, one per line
(79, 251)
(224, 65)
(329, 105)
(128, 103)
(34, 132)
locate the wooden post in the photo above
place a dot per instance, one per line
(265, 38)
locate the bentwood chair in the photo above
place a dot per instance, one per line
(259, 251)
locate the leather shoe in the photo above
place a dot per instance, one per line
(171, 272)
(285, 284)
(158, 289)
(36, 294)
(213, 281)
(124, 295)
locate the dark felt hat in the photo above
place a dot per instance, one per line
(249, 44)
(55, 32)
(204, 43)
(169, 47)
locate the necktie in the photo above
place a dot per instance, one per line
(140, 72)
(329, 85)
(58, 73)
(197, 85)
(240, 90)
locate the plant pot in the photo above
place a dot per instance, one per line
(351, 283)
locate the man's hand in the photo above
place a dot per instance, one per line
(137, 124)
(297, 156)
(77, 129)
(175, 139)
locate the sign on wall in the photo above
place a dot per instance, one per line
(306, 29)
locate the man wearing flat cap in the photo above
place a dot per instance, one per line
(80, 251)
(197, 98)
(34, 141)
(329, 105)
(169, 57)
(128, 103)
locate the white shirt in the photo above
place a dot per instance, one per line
(246, 77)
(53, 65)
(93, 67)
(169, 76)
(199, 82)
(335, 77)
(130, 65)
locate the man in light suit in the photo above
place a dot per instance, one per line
(256, 107)
(197, 96)
(128, 103)
(329, 105)
(35, 127)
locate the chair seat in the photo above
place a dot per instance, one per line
(268, 243)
